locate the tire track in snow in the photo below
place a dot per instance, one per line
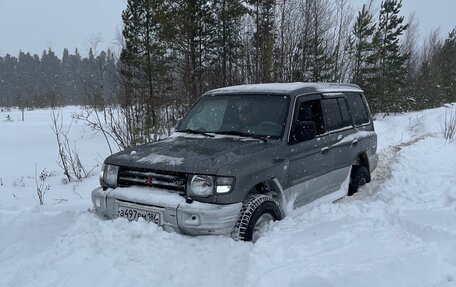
(386, 159)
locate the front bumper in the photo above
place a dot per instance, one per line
(176, 214)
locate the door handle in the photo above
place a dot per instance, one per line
(354, 142)
(278, 160)
(325, 150)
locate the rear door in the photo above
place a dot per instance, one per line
(339, 127)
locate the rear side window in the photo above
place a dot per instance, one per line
(344, 112)
(336, 114)
(358, 109)
(333, 116)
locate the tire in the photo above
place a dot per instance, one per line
(359, 177)
(257, 206)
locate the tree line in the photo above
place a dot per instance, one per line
(34, 81)
(174, 50)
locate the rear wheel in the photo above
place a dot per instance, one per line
(257, 213)
(359, 177)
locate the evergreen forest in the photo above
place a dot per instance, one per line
(173, 51)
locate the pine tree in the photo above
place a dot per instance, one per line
(144, 67)
(321, 60)
(194, 42)
(361, 45)
(263, 12)
(317, 55)
(227, 43)
(389, 63)
(448, 68)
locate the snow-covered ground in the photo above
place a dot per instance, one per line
(400, 230)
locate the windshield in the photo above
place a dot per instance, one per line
(248, 115)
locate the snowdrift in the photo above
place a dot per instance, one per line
(400, 230)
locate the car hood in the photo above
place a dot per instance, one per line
(189, 154)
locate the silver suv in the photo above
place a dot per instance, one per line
(242, 156)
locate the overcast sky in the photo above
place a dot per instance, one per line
(32, 25)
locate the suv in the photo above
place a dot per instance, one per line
(242, 156)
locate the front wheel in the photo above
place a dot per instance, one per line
(257, 213)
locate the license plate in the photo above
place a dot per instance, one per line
(134, 214)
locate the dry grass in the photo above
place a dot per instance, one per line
(449, 125)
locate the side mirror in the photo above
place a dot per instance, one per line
(303, 131)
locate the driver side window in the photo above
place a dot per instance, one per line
(308, 122)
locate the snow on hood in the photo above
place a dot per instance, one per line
(158, 158)
(213, 136)
(188, 154)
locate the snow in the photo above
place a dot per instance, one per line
(150, 195)
(175, 135)
(285, 88)
(400, 230)
(350, 138)
(158, 158)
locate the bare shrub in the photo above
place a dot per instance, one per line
(105, 124)
(69, 160)
(449, 125)
(41, 186)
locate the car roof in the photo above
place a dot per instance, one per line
(296, 88)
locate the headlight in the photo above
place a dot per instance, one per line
(205, 185)
(201, 185)
(108, 175)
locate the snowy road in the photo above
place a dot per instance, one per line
(400, 230)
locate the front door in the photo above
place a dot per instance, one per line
(308, 157)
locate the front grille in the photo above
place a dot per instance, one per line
(142, 177)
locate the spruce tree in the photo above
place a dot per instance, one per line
(51, 81)
(9, 80)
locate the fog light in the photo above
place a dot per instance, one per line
(223, 188)
(224, 184)
(192, 219)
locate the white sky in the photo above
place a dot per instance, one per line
(36, 25)
(432, 14)
(32, 25)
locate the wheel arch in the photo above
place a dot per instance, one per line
(271, 187)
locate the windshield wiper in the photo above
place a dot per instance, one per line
(243, 134)
(196, 132)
